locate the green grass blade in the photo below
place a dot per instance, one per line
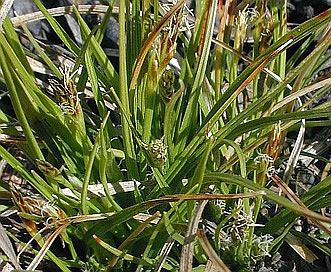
(107, 68)
(12, 84)
(89, 167)
(63, 35)
(129, 148)
(41, 52)
(191, 113)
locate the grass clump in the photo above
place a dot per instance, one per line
(181, 180)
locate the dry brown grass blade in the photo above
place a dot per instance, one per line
(186, 259)
(203, 31)
(294, 198)
(9, 139)
(301, 92)
(228, 14)
(65, 222)
(46, 247)
(149, 41)
(260, 67)
(6, 5)
(59, 11)
(213, 256)
(287, 190)
(249, 60)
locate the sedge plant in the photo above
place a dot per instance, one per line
(180, 181)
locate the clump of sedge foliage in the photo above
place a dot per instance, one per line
(180, 181)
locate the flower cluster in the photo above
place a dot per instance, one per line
(157, 152)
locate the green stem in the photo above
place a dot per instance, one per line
(89, 167)
(129, 148)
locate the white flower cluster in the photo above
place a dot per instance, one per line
(244, 18)
(184, 23)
